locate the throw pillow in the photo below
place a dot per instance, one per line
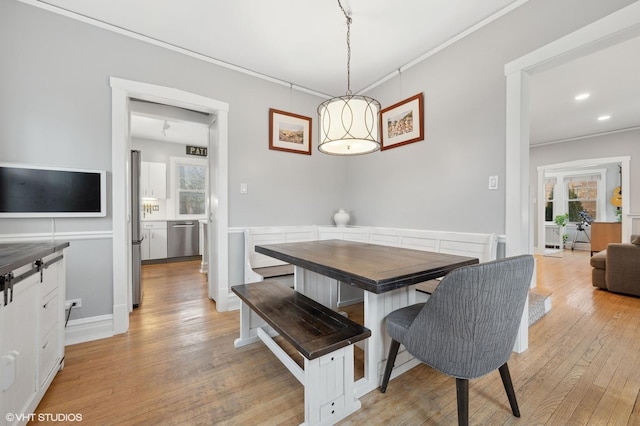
(636, 241)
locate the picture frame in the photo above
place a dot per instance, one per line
(402, 123)
(289, 132)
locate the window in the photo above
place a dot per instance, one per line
(191, 186)
(574, 191)
(549, 185)
(582, 195)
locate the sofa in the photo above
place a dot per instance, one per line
(617, 268)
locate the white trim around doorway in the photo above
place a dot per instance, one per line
(122, 91)
(619, 26)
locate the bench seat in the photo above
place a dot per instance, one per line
(274, 271)
(322, 336)
(313, 329)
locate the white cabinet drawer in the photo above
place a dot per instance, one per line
(154, 225)
(48, 355)
(330, 408)
(49, 314)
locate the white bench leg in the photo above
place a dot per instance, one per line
(329, 388)
(249, 324)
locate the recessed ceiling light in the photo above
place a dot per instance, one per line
(582, 96)
(604, 117)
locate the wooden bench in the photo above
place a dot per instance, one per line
(258, 266)
(322, 336)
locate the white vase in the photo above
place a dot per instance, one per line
(341, 218)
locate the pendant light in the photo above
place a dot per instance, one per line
(349, 124)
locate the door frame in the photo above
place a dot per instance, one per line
(619, 26)
(121, 91)
(623, 161)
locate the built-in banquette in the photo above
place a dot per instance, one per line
(32, 292)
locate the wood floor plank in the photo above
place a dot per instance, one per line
(177, 365)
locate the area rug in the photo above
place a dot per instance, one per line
(539, 305)
(549, 252)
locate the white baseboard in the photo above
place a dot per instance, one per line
(88, 329)
(233, 302)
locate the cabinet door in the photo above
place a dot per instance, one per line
(158, 246)
(145, 191)
(19, 339)
(158, 180)
(145, 245)
(153, 180)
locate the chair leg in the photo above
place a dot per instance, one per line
(508, 387)
(462, 393)
(391, 359)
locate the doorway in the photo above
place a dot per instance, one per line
(217, 222)
(170, 212)
(608, 168)
(617, 27)
(519, 226)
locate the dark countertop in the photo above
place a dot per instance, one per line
(15, 255)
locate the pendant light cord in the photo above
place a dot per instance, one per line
(348, 48)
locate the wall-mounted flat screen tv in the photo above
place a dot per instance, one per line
(41, 191)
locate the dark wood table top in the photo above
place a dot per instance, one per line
(372, 267)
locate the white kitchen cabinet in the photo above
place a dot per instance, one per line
(153, 180)
(31, 326)
(19, 350)
(154, 244)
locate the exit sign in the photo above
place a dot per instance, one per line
(197, 150)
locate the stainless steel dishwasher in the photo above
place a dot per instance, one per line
(182, 238)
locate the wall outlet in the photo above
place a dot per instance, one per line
(70, 303)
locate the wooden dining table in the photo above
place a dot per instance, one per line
(386, 274)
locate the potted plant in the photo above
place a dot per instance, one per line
(562, 220)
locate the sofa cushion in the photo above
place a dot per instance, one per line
(598, 259)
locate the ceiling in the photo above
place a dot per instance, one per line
(611, 77)
(303, 44)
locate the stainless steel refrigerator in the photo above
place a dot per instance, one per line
(136, 229)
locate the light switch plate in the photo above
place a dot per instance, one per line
(493, 182)
(244, 188)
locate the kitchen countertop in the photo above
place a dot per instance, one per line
(16, 255)
(153, 219)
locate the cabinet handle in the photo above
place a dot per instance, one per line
(45, 305)
(10, 367)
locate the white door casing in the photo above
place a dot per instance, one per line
(122, 91)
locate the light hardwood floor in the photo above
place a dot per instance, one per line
(177, 365)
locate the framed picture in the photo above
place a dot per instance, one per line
(289, 132)
(402, 123)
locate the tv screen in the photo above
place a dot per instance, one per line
(34, 191)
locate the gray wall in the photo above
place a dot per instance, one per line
(55, 109)
(612, 145)
(442, 182)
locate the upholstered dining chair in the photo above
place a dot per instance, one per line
(468, 327)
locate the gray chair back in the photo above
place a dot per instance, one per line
(469, 325)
